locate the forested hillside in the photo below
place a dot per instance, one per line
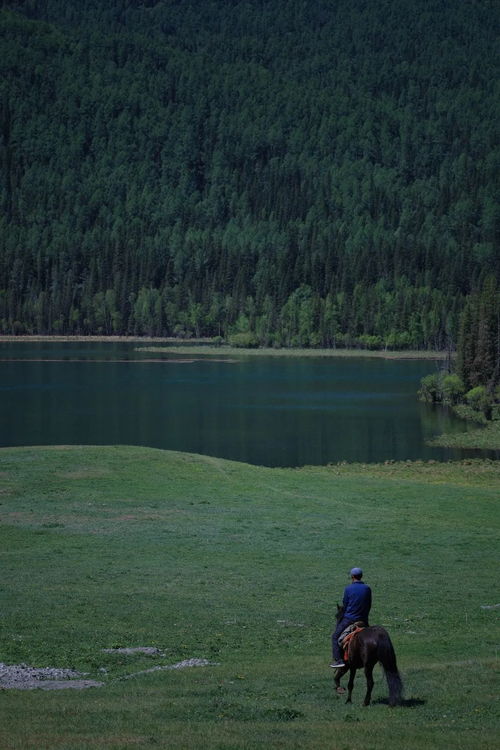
(280, 171)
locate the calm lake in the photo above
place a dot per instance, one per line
(262, 410)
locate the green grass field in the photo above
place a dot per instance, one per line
(487, 438)
(242, 565)
(210, 350)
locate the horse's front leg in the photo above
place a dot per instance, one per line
(338, 674)
(369, 684)
(350, 684)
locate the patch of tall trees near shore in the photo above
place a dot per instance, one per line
(473, 388)
(282, 173)
(478, 355)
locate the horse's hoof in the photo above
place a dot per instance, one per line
(340, 690)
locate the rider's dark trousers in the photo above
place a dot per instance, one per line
(336, 650)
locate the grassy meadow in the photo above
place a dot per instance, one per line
(487, 438)
(105, 547)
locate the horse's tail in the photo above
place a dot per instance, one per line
(387, 658)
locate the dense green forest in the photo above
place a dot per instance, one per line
(320, 173)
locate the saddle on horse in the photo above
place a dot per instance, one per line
(347, 636)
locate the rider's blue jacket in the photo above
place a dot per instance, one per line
(357, 601)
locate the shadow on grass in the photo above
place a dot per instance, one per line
(405, 703)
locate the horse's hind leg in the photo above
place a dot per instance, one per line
(340, 673)
(350, 684)
(369, 684)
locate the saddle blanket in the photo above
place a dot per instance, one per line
(359, 625)
(347, 636)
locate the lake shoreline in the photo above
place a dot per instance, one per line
(205, 346)
(211, 350)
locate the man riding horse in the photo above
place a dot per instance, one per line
(356, 603)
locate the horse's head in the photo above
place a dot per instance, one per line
(340, 612)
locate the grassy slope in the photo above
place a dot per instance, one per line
(242, 565)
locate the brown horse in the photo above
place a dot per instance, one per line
(368, 647)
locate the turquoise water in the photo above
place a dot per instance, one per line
(262, 410)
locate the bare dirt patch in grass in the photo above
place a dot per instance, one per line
(33, 519)
(65, 741)
(185, 664)
(16, 516)
(23, 677)
(144, 516)
(84, 473)
(129, 650)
